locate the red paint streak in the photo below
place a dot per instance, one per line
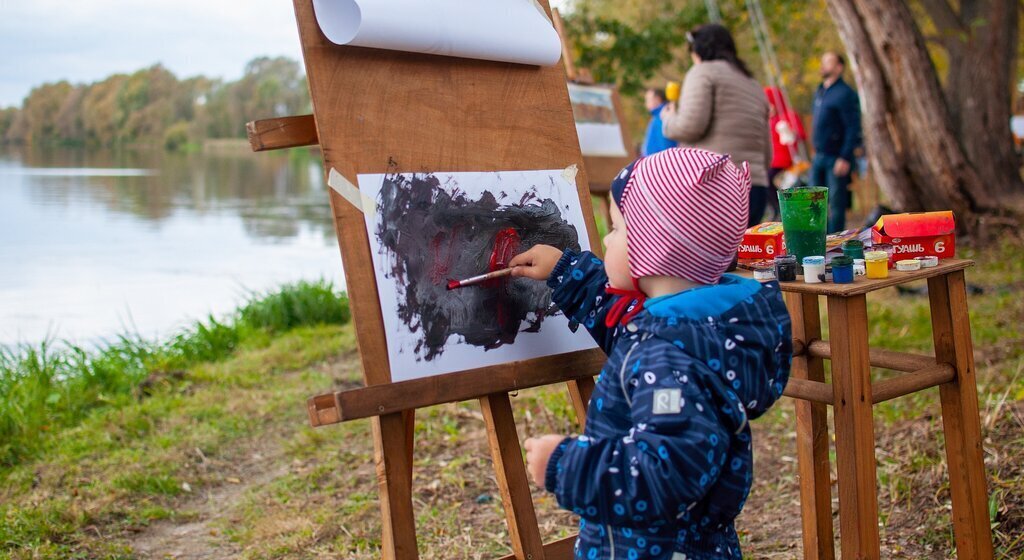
(506, 246)
(442, 256)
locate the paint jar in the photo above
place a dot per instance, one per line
(814, 269)
(804, 220)
(877, 263)
(853, 248)
(859, 267)
(785, 268)
(764, 272)
(908, 265)
(928, 262)
(842, 270)
(889, 250)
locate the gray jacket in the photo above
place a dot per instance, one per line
(723, 111)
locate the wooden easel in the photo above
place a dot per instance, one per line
(430, 113)
(600, 170)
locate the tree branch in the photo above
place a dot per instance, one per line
(944, 17)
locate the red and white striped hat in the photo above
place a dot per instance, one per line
(686, 212)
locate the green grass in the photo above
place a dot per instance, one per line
(123, 468)
(51, 386)
(305, 303)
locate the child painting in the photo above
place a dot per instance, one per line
(665, 461)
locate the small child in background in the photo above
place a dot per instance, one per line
(665, 462)
(654, 139)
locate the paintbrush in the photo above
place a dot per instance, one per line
(452, 284)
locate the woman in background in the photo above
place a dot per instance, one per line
(723, 109)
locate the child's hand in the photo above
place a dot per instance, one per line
(537, 263)
(538, 451)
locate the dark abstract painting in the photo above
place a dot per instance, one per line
(430, 228)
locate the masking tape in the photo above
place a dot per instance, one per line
(569, 173)
(349, 192)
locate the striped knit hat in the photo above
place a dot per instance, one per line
(685, 212)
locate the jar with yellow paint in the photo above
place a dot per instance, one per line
(877, 263)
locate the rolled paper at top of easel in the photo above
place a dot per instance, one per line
(500, 30)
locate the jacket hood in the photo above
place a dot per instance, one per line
(656, 112)
(739, 328)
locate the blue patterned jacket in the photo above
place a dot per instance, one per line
(665, 462)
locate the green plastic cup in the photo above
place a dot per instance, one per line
(804, 220)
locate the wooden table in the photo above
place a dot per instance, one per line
(852, 394)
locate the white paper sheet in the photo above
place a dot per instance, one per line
(597, 123)
(405, 331)
(501, 30)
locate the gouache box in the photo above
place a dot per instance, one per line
(763, 241)
(917, 234)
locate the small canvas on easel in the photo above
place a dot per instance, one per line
(597, 124)
(430, 228)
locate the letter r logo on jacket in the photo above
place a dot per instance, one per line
(668, 401)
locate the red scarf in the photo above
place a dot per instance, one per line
(629, 305)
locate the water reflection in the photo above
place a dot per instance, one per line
(96, 241)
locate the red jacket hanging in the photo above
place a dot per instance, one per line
(782, 154)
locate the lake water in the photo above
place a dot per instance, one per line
(96, 243)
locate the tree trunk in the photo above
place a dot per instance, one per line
(915, 154)
(981, 42)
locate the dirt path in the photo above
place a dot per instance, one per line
(198, 537)
(194, 534)
(195, 531)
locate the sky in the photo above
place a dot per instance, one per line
(85, 41)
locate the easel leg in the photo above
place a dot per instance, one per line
(812, 436)
(961, 423)
(855, 434)
(602, 210)
(394, 475)
(510, 471)
(409, 416)
(580, 391)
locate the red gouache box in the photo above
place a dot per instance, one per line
(763, 241)
(917, 234)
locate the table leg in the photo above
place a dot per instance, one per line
(961, 423)
(855, 434)
(812, 436)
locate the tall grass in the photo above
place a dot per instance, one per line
(305, 303)
(50, 386)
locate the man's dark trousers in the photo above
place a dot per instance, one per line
(838, 189)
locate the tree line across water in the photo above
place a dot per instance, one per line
(154, 107)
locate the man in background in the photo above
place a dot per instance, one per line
(836, 135)
(654, 140)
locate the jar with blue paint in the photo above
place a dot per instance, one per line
(842, 270)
